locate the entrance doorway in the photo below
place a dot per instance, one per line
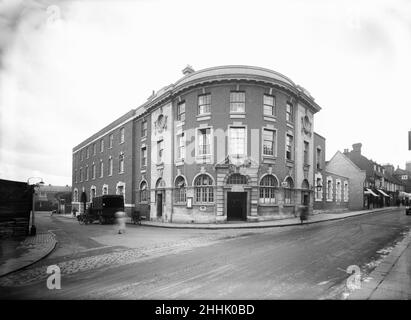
(236, 206)
(159, 204)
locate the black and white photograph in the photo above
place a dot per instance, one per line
(218, 151)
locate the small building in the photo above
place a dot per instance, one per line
(405, 177)
(331, 188)
(343, 165)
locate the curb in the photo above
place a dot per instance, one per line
(382, 270)
(50, 250)
(244, 226)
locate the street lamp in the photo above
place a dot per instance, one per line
(35, 185)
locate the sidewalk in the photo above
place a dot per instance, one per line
(20, 254)
(320, 217)
(391, 280)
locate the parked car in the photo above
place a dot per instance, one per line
(408, 210)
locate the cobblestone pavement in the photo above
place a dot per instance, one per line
(112, 259)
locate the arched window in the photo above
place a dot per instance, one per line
(180, 190)
(268, 186)
(237, 178)
(288, 190)
(203, 189)
(105, 189)
(143, 192)
(160, 184)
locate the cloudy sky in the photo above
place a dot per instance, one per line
(68, 68)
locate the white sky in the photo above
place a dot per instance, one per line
(64, 79)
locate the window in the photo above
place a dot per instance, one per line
(237, 143)
(144, 129)
(75, 176)
(269, 137)
(81, 155)
(121, 163)
(121, 135)
(81, 174)
(94, 149)
(105, 190)
(318, 190)
(75, 195)
(236, 178)
(338, 191)
(268, 185)
(180, 191)
(110, 141)
(144, 156)
(237, 101)
(93, 171)
(269, 105)
(346, 191)
(204, 141)
(88, 152)
(180, 146)
(289, 116)
(160, 151)
(101, 145)
(289, 147)
(110, 166)
(87, 173)
(305, 193)
(288, 191)
(306, 153)
(204, 192)
(143, 192)
(204, 103)
(318, 160)
(101, 168)
(181, 111)
(329, 189)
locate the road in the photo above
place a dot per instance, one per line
(298, 262)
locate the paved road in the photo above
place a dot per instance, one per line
(300, 262)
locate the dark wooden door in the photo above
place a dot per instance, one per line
(236, 206)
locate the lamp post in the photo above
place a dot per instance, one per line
(35, 185)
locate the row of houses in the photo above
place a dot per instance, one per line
(371, 184)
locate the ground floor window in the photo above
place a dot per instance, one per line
(204, 192)
(289, 191)
(180, 190)
(143, 192)
(268, 189)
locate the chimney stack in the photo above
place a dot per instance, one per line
(356, 147)
(187, 70)
(345, 151)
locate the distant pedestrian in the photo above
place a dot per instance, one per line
(121, 221)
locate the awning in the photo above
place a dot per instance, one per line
(369, 191)
(383, 193)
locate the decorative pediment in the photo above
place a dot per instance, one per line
(234, 164)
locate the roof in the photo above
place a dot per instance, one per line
(231, 72)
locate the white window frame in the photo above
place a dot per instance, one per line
(110, 166)
(231, 102)
(209, 156)
(292, 147)
(338, 190)
(316, 192)
(122, 134)
(230, 151)
(101, 168)
(275, 142)
(346, 191)
(330, 193)
(274, 109)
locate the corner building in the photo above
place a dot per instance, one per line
(220, 144)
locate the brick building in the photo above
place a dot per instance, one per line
(223, 143)
(331, 187)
